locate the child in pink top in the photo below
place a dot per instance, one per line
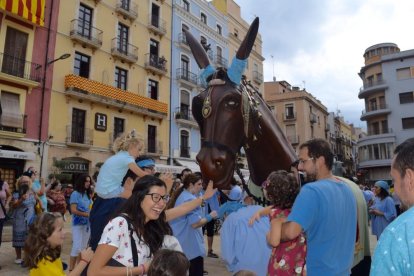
(287, 258)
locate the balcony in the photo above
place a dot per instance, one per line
(373, 111)
(127, 8)
(14, 130)
(220, 61)
(185, 117)
(124, 51)
(371, 87)
(257, 77)
(82, 88)
(293, 139)
(153, 147)
(85, 34)
(156, 25)
(79, 137)
(155, 64)
(16, 70)
(185, 152)
(187, 78)
(372, 132)
(289, 116)
(313, 118)
(327, 127)
(182, 42)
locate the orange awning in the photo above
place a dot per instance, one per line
(32, 10)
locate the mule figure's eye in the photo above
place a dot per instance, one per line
(231, 103)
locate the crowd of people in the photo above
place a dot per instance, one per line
(138, 223)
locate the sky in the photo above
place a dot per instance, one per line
(319, 44)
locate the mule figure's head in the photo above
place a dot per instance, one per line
(218, 111)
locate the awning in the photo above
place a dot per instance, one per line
(189, 164)
(17, 154)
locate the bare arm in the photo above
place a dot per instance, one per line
(290, 230)
(187, 207)
(42, 189)
(261, 213)
(103, 254)
(75, 211)
(137, 170)
(86, 257)
(273, 237)
(204, 220)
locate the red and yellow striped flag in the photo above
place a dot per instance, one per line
(32, 10)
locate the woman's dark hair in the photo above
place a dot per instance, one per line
(80, 185)
(36, 246)
(54, 184)
(383, 193)
(191, 178)
(282, 188)
(152, 233)
(169, 262)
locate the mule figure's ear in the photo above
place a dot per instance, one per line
(198, 51)
(248, 41)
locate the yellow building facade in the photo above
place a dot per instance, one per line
(116, 79)
(237, 28)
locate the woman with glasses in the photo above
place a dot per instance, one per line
(144, 214)
(80, 201)
(187, 228)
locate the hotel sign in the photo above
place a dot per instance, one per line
(101, 121)
(75, 166)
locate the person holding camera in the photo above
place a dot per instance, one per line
(23, 203)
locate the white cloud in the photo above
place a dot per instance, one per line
(322, 43)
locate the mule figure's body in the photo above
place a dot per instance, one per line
(231, 115)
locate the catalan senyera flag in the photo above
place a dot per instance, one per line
(32, 10)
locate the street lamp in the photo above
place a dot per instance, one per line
(47, 63)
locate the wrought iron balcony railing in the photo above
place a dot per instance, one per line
(14, 66)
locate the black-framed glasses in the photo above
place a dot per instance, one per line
(157, 197)
(301, 161)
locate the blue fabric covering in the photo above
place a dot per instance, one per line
(82, 204)
(228, 208)
(112, 173)
(244, 246)
(236, 70)
(379, 223)
(191, 239)
(394, 254)
(36, 187)
(236, 193)
(382, 184)
(146, 163)
(327, 212)
(205, 73)
(368, 195)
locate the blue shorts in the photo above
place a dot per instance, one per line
(102, 211)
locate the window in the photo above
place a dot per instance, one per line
(151, 143)
(10, 115)
(119, 126)
(185, 67)
(186, 5)
(384, 126)
(125, 4)
(155, 15)
(219, 29)
(85, 21)
(78, 126)
(123, 34)
(185, 105)
(407, 123)
(203, 18)
(407, 97)
(373, 104)
(289, 111)
(291, 133)
(121, 77)
(236, 33)
(403, 73)
(82, 65)
(184, 148)
(14, 59)
(153, 89)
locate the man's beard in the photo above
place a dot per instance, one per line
(310, 177)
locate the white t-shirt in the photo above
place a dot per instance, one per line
(116, 234)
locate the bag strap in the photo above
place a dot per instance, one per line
(133, 244)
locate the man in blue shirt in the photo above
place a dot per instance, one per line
(394, 253)
(326, 210)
